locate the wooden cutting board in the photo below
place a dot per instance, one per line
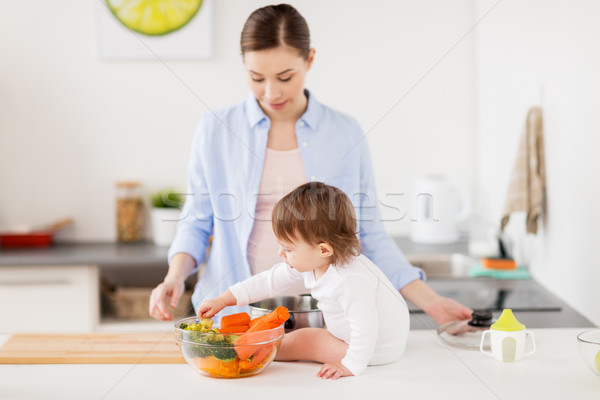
(92, 348)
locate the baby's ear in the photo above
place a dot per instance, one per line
(325, 249)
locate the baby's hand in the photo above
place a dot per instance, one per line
(208, 308)
(333, 371)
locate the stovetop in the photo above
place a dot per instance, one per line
(486, 293)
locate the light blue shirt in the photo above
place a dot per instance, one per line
(224, 175)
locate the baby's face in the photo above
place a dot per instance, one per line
(301, 255)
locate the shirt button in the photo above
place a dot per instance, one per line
(301, 123)
(304, 144)
(313, 178)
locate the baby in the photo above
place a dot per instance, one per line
(367, 319)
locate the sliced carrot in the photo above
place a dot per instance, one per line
(218, 368)
(262, 353)
(271, 320)
(230, 369)
(209, 364)
(261, 331)
(235, 320)
(234, 329)
(256, 320)
(246, 345)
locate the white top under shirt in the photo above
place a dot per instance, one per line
(360, 305)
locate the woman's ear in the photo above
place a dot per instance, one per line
(311, 58)
(325, 249)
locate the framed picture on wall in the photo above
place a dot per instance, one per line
(154, 30)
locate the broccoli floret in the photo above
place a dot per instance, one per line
(192, 327)
(215, 337)
(221, 347)
(231, 338)
(220, 350)
(205, 325)
(225, 352)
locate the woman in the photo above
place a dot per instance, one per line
(246, 157)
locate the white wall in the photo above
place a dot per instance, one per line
(522, 47)
(71, 124)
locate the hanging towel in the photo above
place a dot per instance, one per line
(526, 190)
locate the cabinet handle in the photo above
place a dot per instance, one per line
(55, 282)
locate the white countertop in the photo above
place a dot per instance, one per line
(428, 370)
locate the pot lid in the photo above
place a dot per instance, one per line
(466, 334)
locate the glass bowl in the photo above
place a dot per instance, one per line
(225, 355)
(589, 348)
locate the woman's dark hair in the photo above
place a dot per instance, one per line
(273, 26)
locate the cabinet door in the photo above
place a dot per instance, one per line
(49, 299)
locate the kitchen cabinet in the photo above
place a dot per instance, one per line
(57, 289)
(49, 299)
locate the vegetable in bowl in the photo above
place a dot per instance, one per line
(217, 345)
(224, 354)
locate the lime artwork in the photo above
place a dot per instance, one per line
(154, 17)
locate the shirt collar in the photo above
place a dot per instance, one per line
(310, 117)
(312, 114)
(253, 111)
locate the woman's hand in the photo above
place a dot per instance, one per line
(209, 308)
(445, 310)
(441, 309)
(169, 292)
(333, 371)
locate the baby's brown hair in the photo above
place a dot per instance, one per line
(318, 213)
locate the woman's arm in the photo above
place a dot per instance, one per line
(381, 249)
(376, 244)
(196, 222)
(188, 249)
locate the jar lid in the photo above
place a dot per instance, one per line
(128, 184)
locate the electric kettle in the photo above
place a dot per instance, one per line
(438, 206)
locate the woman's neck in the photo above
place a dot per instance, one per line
(282, 135)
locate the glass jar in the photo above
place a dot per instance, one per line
(130, 212)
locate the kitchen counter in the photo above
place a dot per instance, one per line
(121, 264)
(145, 254)
(428, 370)
(104, 255)
(533, 305)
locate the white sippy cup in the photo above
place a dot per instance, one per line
(508, 338)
